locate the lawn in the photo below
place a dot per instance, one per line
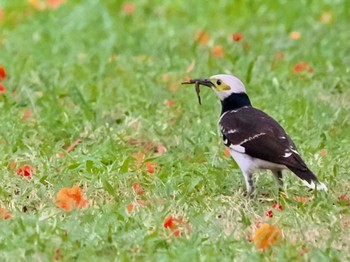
(92, 101)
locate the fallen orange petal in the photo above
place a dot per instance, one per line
(237, 36)
(168, 222)
(277, 206)
(294, 35)
(227, 152)
(202, 37)
(177, 232)
(128, 8)
(269, 213)
(12, 165)
(187, 225)
(266, 236)
(1, 14)
(150, 167)
(138, 189)
(58, 255)
(130, 207)
(301, 67)
(53, 4)
(25, 171)
(323, 152)
(217, 51)
(74, 144)
(27, 114)
(161, 149)
(2, 73)
(4, 214)
(302, 199)
(2, 90)
(69, 198)
(344, 200)
(168, 102)
(190, 67)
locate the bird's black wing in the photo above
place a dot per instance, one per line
(256, 134)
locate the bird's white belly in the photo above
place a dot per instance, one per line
(248, 163)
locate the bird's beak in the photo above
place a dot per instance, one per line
(204, 82)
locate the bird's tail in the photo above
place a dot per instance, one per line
(309, 179)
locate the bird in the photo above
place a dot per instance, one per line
(254, 139)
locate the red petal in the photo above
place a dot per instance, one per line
(2, 73)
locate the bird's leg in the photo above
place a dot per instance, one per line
(278, 175)
(249, 182)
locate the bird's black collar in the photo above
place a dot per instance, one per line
(235, 101)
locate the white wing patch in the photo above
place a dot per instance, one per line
(238, 148)
(293, 150)
(287, 154)
(232, 131)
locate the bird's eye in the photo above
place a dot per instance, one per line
(218, 82)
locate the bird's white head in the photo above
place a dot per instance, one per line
(225, 85)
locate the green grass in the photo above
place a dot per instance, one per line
(87, 67)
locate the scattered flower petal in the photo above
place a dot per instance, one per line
(58, 255)
(343, 199)
(13, 165)
(218, 51)
(69, 198)
(4, 214)
(73, 145)
(294, 35)
(27, 114)
(70, 147)
(269, 213)
(323, 152)
(2, 73)
(302, 199)
(168, 102)
(25, 171)
(151, 166)
(130, 208)
(266, 236)
(2, 90)
(138, 189)
(302, 67)
(227, 152)
(168, 222)
(173, 224)
(277, 206)
(191, 67)
(202, 37)
(54, 4)
(1, 14)
(128, 8)
(161, 149)
(237, 36)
